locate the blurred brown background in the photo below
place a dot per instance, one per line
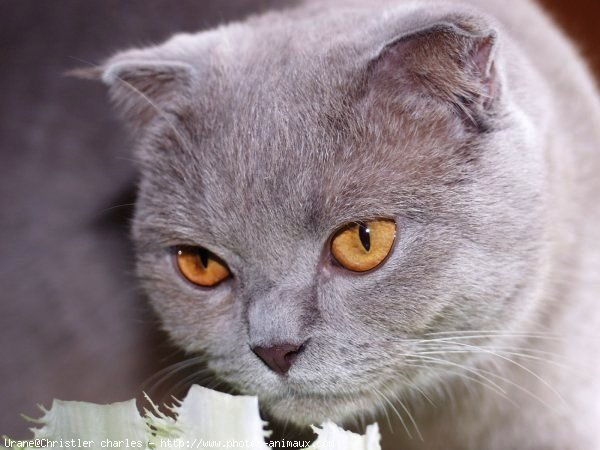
(580, 19)
(71, 320)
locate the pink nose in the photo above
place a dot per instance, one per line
(278, 357)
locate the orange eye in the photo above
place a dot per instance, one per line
(362, 246)
(200, 266)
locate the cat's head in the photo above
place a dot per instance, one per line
(319, 195)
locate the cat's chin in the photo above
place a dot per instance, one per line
(303, 410)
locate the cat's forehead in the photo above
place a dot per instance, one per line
(284, 139)
(260, 170)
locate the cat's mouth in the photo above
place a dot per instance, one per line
(312, 408)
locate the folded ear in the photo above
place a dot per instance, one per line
(452, 60)
(140, 84)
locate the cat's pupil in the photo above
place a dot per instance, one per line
(364, 233)
(204, 256)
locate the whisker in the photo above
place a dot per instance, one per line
(419, 390)
(486, 384)
(496, 350)
(459, 366)
(484, 336)
(385, 411)
(377, 391)
(194, 378)
(164, 374)
(110, 208)
(285, 425)
(521, 366)
(498, 332)
(519, 387)
(410, 417)
(504, 347)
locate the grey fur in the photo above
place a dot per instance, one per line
(74, 323)
(265, 136)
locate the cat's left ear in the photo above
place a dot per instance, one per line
(140, 84)
(452, 60)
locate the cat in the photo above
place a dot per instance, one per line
(386, 210)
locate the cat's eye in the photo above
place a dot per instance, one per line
(200, 266)
(362, 246)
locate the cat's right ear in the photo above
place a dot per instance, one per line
(141, 86)
(452, 59)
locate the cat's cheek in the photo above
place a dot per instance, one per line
(197, 324)
(194, 317)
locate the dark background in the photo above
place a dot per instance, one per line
(72, 323)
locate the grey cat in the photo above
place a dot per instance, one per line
(453, 147)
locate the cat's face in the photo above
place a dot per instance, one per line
(262, 154)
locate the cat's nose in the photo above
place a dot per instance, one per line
(279, 357)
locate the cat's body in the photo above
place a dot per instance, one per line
(475, 129)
